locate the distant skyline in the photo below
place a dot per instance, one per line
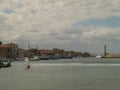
(80, 25)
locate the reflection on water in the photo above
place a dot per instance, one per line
(74, 74)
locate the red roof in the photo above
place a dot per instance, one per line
(10, 44)
(2, 46)
(47, 51)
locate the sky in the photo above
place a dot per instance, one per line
(80, 25)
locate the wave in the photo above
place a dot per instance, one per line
(74, 64)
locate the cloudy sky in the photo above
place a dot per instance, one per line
(80, 25)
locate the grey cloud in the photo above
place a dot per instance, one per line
(2, 19)
(115, 10)
(48, 24)
(19, 5)
(73, 30)
(53, 33)
(34, 30)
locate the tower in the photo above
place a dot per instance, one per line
(105, 50)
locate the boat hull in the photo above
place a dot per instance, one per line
(5, 65)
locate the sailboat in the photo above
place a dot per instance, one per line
(27, 64)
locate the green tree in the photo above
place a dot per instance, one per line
(1, 43)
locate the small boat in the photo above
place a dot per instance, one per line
(3, 65)
(98, 56)
(6, 65)
(27, 63)
(44, 57)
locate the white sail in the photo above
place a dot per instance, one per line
(27, 64)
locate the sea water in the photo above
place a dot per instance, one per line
(64, 74)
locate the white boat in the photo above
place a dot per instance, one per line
(44, 57)
(98, 56)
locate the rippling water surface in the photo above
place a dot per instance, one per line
(69, 74)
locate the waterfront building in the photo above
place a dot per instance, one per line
(9, 50)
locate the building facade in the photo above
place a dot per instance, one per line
(9, 50)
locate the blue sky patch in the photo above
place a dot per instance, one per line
(8, 11)
(33, 11)
(112, 21)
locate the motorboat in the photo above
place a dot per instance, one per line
(5, 65)
(98, 56)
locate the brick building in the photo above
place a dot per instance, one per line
(9, 50)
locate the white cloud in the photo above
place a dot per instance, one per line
(101, 33)
(50, 21)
